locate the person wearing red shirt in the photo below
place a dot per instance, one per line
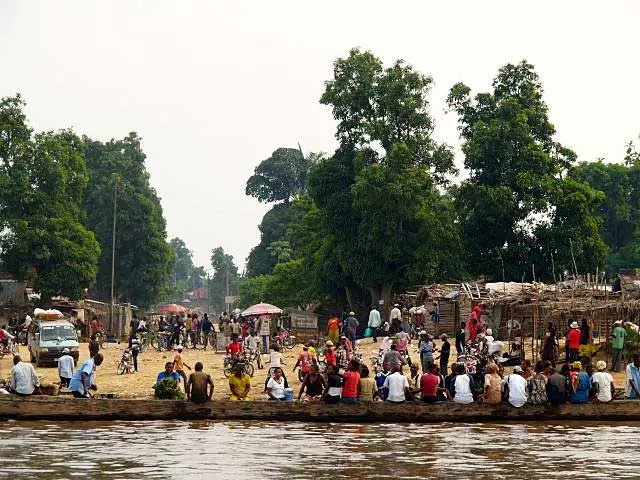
(429, 385)
(305, 360)
(329, 353)
(234, 348)
(350, 383)
(573, 342)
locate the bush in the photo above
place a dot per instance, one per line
(167, 389)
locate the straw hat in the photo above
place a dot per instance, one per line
(329, 343)
(574, 325)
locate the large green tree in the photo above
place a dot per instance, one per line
(143, 258)
(517, 198)
(42, 180)
(378, 193)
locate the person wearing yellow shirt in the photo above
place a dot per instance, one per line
(239, 384)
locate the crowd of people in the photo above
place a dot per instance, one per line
(336, 373)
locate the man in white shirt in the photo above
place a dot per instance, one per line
(374, 322)
(517, 386)
(398, 387)
(603, 383)
(396, 318)
(65, 368)
(24, 380)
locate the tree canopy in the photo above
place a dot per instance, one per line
(42, 181)
(519, 204)
(143, 258)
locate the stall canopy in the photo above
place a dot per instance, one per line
(172, 308)
(261, 309)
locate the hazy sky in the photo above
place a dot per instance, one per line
(214, 87)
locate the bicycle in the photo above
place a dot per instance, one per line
(285, 340)
(229, 363)
(160, 341)
(125, 363)
(203, 340)
(145, 340)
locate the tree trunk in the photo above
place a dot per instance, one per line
(349, 295)
(386, 296)
(375, 296)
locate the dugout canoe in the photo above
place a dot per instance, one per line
(65, 408)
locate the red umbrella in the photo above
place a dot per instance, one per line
(172, 308)
(261, 309)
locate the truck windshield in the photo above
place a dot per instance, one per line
(57, 332)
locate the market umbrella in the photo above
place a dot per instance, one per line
(172, 308)
(261, 309)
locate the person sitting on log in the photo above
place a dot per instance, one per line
(196, 387)
(24, 380)
(239, 383)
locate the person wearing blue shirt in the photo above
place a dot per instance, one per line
(381, 377)
(168, 373)
(581, 383)
(83, 379)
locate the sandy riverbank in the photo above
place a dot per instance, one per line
(151, 362)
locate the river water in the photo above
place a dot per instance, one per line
(259, 450)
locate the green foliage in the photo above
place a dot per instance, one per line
(42, 179)
(280, 177)
(273, 229)
(168, 389)
(253, 290)
(183, 261)
(518, 203)
(619, 208)
(374, 105)
(144, 259)
(382, 210)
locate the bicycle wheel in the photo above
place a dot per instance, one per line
(249, 369)
(121, 368)
(199, 343)
(290, 342)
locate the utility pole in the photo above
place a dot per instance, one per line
(113, 252)
(228, 304)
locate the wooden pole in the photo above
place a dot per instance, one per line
(573, 259)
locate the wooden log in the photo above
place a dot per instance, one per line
(58, 408)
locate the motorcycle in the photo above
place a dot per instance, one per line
(285, 340)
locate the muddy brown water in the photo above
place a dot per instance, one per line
(258, 450)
